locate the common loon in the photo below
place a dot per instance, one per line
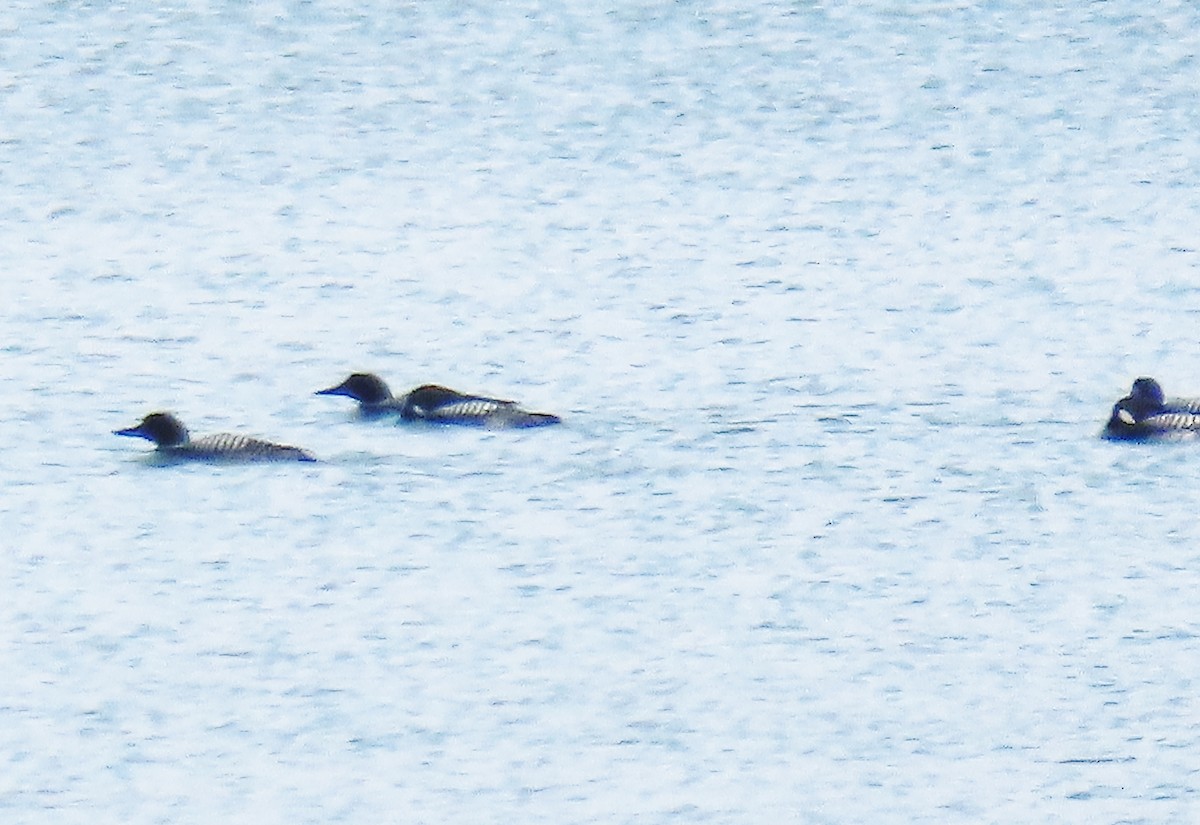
(171, 438)
(435, 404)
(1145, 414)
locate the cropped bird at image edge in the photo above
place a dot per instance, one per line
(1147, 415)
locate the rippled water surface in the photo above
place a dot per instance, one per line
(833, 300)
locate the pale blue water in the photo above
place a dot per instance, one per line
(834, 300)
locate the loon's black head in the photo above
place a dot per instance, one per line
(362, 387)
(1144, 400)
(164, 429)
(1146, 392)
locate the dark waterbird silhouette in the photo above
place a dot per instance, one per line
(171, 439)
(1146, 415)
(436, 404)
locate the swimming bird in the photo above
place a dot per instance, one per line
(1145, 414)
(435, 404)
(172, 440)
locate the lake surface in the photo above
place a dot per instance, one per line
(834, 301)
